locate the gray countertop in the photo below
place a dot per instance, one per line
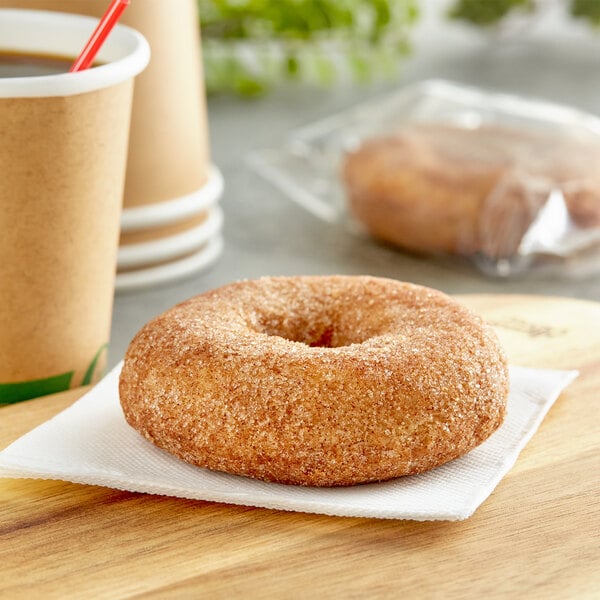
(267, 234)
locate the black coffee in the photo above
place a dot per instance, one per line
(15, 64)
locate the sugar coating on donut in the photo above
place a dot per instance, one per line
(319, 381)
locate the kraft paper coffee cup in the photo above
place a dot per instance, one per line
(169, 150)
(62, 169)
(169, 155)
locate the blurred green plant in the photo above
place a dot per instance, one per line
(248, 45)
(488, 12)
(587, 9)
(492, 12)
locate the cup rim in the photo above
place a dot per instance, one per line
(173, 246)
(126, 52)
(153, 275)
(147, 216)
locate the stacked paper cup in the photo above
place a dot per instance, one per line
(168, 240)
(171, 223)
(171, 220)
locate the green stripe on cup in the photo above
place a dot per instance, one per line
(25, 390)
(89, 374)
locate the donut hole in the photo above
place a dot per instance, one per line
(319, 331)
(322, 317)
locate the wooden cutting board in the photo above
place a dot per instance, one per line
(537, 536)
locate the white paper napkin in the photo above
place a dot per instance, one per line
(90, 442)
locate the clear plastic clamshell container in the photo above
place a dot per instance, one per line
(509, 183)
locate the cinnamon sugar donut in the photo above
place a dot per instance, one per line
(321, 381)
(448, 189)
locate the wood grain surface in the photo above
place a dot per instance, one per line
(537, 536)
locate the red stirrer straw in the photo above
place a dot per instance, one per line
(107, 22)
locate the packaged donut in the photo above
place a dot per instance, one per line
(510, 184)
